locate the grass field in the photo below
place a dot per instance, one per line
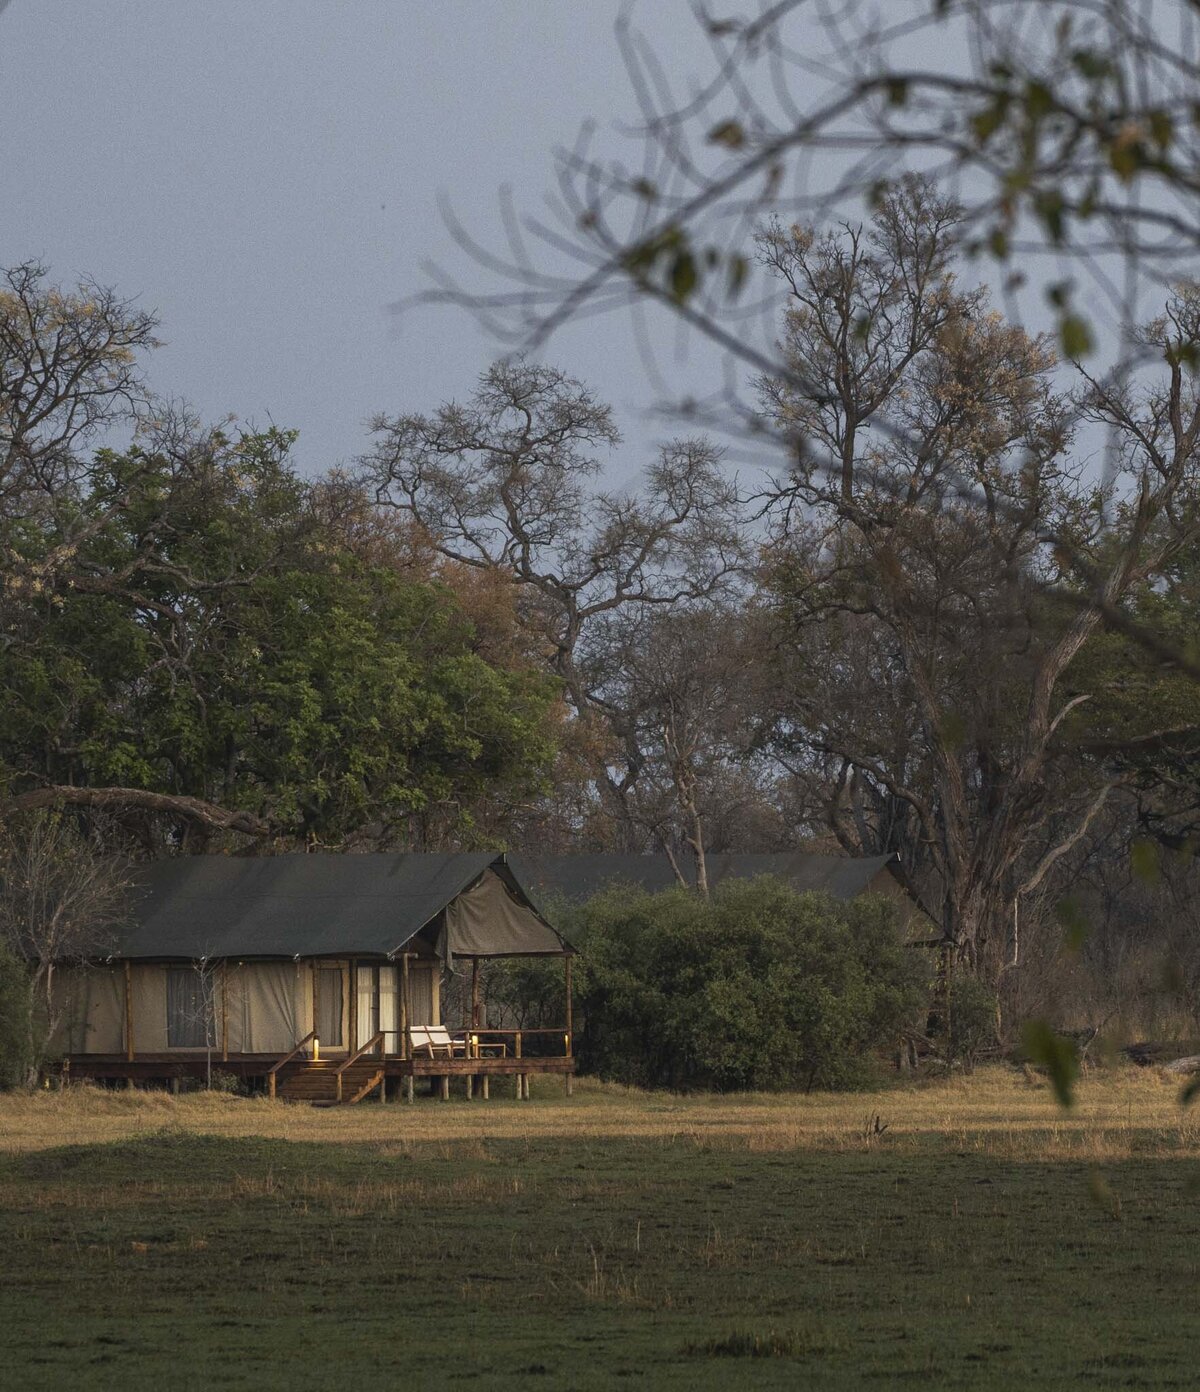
(612, 1239)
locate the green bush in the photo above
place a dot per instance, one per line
(972, 1025)
(15, 1007)
(760, 987)
(230, 1083)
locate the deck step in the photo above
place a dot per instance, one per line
(369, 1086)
(312, 1081)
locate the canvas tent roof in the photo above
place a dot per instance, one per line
(577, 877)
(323, 905)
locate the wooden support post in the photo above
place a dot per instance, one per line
(570, 1008)
(476, 1020)
(128, 1014)
(445, 1087)
(474, 992)
(570, 1083)
(483, 1083)
(224, 1012)
(408, 1088)
(404, 1016)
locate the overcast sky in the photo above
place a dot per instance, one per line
(266, 177)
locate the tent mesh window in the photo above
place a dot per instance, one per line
(189, 1011)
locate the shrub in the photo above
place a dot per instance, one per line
(15, 1014)
(229, 1083)
(972, 1026)
(760, 987)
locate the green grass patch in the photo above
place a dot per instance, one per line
(686, 1259)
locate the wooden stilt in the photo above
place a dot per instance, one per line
(408, 1087)
(483, 1082)
(570, 1079)
(445, 1087)
(470, 1087)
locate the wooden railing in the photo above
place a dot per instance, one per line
(518, 1036)
(379, 1038)
(287, 1058)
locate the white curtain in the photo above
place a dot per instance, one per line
(365, 986)
(389, 1008)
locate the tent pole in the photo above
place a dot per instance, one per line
(224, 1012)
(128, 1014)
(474, 1020)
(569, 1039)
(474, 992)
(570, 1007)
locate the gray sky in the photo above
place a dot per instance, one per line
(265, 176)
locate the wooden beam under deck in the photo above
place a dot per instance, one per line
(480, 1067)
(171, 1065)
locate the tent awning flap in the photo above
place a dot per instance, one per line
(487, 921)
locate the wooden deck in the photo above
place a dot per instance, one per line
(316, 1081)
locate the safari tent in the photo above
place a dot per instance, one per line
(318, 975)
(573, 878)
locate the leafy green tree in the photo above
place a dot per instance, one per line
(221, 645)
(758, 987)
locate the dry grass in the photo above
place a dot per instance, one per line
(962, 1233)
(997, 1112)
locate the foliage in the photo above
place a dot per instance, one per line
(228, 1083)
(1141, 718)
(1063, 125)
(220, 639)
(16, 1003)
(525, 993)
(759, 987)
(1056, 1054)
(506, 483)
(59, 902)
(972, 1023)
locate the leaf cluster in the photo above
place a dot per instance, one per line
(758, 987)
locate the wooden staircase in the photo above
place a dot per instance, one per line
(316, 1082)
